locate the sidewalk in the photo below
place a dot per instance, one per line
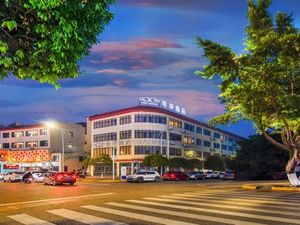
(274, 186)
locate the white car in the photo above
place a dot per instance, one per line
(221, 175)
(143, 176)
(216, 174)
(1, 177)
(13, 177)
(38, 177)
(209, 174)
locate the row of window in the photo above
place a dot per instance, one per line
(28, 144)
(147, 118)
(28, 133)
(105, 123)
(155, 134)
(105, 137)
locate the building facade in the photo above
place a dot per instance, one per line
(138, 131)
(36, 147)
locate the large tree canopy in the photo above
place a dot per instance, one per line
(262, 84)
(44, 39)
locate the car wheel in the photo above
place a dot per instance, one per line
(156, 179)
(177, 179)
(9, 180)
(54, 183)
(71, 183)
(140, 180)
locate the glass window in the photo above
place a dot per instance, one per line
(188, 140)
(17, 145)
(199, 130)
(146, 150)
(105, 137)
(55, 158)
(175, 123)
(217, 145)
(175, 137)
(175, 152)
(43, 132)
(224, 147)
(155, 134)
(43, 143)
(230, 148)
(189, 127)
(5, 145)
(105, 123)
(206, 154)
(217, 135)
(147, 118)
(5, 135)
(207, 132)
(230, 139)
(206, 143)
(17, 134)
(125, 150)
(189, 153)
(31, 144)
(126, 134)
(71, 134)
(102, 151)
(30, 133)
(125, 119)
(198, 142)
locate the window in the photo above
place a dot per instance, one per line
(125, 119)
(198, 154)
(146, 150)
(125, 150)
(217, 145)
(126, 134)
(207, 132)
(206, 143)
(206, 154)
(17, 145)
(105, 123)
(17, 134)
(147, 118)
(189, 127)
(217, 135)
(198, 142)
(224, 147)
(175, 123)
(71, 134)
(5, 135)
(175, 152)
(5, 145)
(199, 130)
(55, 158)
(189, 153)
(230, 139)
(44, 132)
(155, 134)
(43, 143)
(188, 140)
(31, 133)
(31, 144)
(230, 148)
(105, 137)
(102, 151)
(175, 137)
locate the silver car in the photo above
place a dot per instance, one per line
(13, 177)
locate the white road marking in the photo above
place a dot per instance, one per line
(137, 216)
(181, 214)
(54, 199)
(246, 215)
(83, 218)
(29, 220)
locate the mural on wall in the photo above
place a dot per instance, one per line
(29, 156)
(3, 155)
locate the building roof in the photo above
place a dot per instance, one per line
(21, 127)
(142, 108)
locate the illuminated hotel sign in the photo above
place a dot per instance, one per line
(162, 104)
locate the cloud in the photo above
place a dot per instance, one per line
(111, 71)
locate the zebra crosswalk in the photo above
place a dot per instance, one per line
(217, 207)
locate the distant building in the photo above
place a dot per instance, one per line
(138, 131)
(39, 147)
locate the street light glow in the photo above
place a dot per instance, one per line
(51, 124)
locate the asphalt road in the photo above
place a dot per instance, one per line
(174, 203)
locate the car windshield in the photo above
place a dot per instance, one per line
(140, 173)
(18, 172)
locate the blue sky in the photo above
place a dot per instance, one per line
(147, 50)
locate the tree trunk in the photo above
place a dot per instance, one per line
(290, 167)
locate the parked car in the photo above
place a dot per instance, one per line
(13, 176)
(1, 176)
(196, 175)
(221, 175)
(56, 178)
(229, 175)
(38, 176)
(79, 173)
(215, 174)
(142, 176)
(209, 174)
(175, 175)
(279, 175)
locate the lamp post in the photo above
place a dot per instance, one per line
(113, 161)
(161, 151)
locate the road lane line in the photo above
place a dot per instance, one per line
(230, 202)
(227, 206)
(137, 216)
(241, 199)
(29, 220)
(54, 199)
(83, 218)
(181, 214)
(246, 215)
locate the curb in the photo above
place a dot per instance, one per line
(99, 181)
(269, 187)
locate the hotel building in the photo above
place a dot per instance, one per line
(138, 131)
(35, 147)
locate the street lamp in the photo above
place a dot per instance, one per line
(53, 125)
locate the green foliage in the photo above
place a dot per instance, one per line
(178, 162)
(230, 163)
(155, 160)
(214, 162)
(262, 84)
(43, 40)
(194, 164)
(86, 162)
(102, 159)
(258, 158)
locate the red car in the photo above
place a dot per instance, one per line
(55, 178)
(175, 175)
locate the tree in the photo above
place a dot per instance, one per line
(262, 85)
(258, 158)
(194, 164)
(214, 162)
(230, 163)
(102, 159)
(44, 40)
(155, 160)
(178, 162)
(86, 162)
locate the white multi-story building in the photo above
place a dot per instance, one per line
(59, 148)
(138, 131)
